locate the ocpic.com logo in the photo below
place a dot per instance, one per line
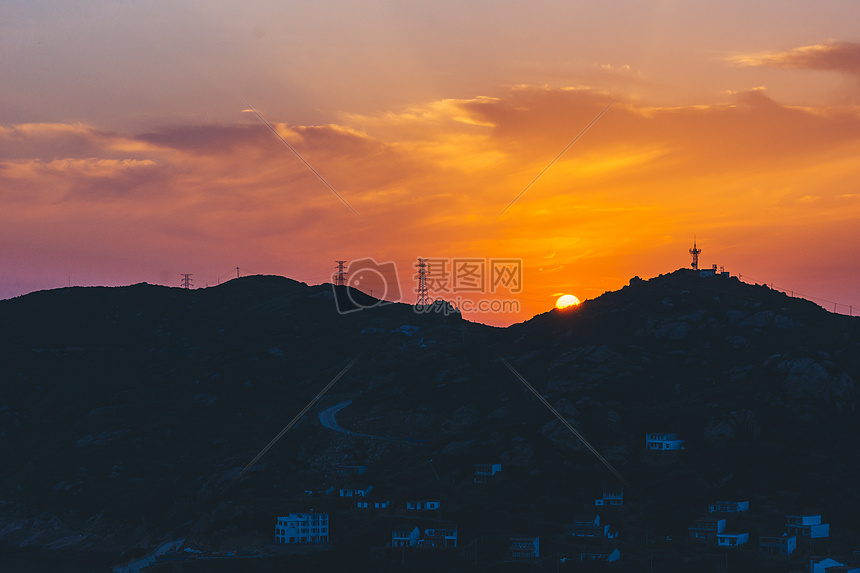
(367, 283)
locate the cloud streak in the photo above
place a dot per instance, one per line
(836, 56)
(428, 178)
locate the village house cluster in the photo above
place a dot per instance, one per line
(434, 535)
(799, 531)
(663, 442)
(312, 528)
(420, 525)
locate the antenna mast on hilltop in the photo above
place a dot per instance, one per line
(340, 277)
(187, 281)
(695, 252)
(423, 297)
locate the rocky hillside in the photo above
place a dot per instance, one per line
(127, 412)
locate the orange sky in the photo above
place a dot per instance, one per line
(746, 137)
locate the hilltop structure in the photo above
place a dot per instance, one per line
(695, 252)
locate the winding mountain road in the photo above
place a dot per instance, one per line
(327, 419)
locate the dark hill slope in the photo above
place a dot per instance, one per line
(121, 405)
(127, 411)
(760, 385)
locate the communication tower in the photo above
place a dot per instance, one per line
(695, 252)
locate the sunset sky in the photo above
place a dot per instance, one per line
(128, 155)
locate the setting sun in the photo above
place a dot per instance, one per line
(566, 301)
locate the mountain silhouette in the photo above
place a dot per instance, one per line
(126, 414)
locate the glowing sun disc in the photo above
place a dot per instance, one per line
(566, 301)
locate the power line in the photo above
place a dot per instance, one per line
(795, 293)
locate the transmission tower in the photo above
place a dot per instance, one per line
(695, 252)
(187, 281)
(423, 298)
(340, 276)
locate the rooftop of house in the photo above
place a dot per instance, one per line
(404, 529)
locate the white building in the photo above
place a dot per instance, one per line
(405, 536)
(610, 556)
(355, 490)
(524, 548)
(732, 539)
(302, 528)
(346, 471)
(806, 526)
(781, 545)
(820, 565)
(712, 272)
(728, 506)
(484, 472)
(612, 496)
(663, 442)
(587, 525)
(365, 503)
(706, 528)
(439, 535)
(423, 505)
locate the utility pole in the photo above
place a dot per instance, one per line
(340, 276)
(434, 473)
(187, 281)
(423, 298)
(237, 272)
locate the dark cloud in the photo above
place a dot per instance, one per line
(208, 139)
